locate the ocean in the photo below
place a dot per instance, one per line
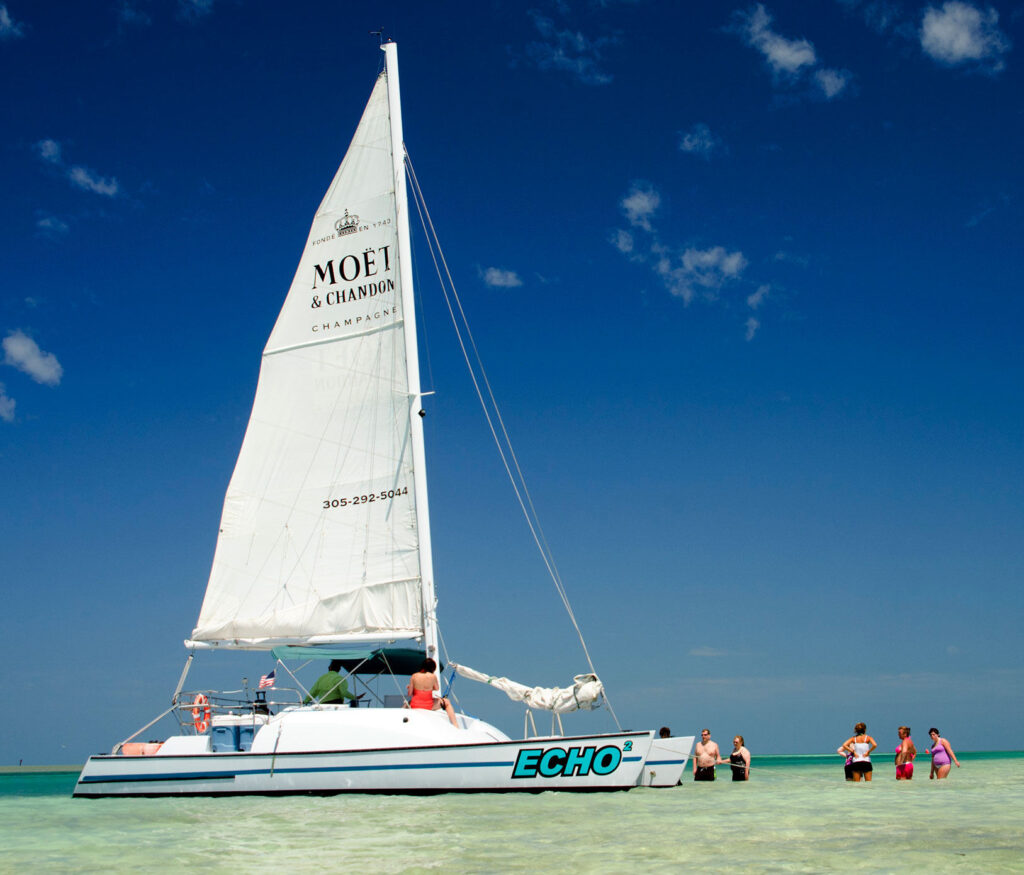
(796, 814)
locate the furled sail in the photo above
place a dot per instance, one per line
(318, 538)
(584, 695)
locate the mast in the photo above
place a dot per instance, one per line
(390, 50)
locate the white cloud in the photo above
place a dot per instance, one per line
(879, 15)
(568, 51)
(790, 60)
(9, 29)
(960, 33)
(6, 405)
(785, 56)
(757, 298)
(711, 268)
(23, 353)
(49, 151)
(640, 204)
(623, 241)
(831, 82)
(52, 225)
(87, 180)
(193, 10)
(697, 269)
(497, 278)
(685, 272)
(791, 258)
(130, 14)
(751, 326)
(699, 141)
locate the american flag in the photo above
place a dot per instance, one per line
(267, 681)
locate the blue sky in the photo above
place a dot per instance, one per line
(745, 279)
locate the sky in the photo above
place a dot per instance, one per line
(745, 279)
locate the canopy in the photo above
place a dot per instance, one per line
(378, 660)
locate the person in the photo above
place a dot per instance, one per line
(905, 753)
(421, 689)
(739, 759)
(330, 688)
(860, 745)
(941, 753)
(848, 765)
(705, 757)
(664, 732)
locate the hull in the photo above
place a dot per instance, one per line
(582, 763)
(666, 761)
(385, 751)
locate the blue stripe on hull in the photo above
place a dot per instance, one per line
(204, 776)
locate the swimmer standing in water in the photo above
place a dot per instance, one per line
(941, 753)
(860, 745)
(905, 753)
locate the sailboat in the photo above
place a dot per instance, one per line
(323, 552)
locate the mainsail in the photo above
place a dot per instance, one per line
(319, 538)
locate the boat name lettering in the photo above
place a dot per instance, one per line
(354, 320)
(556, 762)
(383, 495)
(351, 267)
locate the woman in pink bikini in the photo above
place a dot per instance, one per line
(905, 753)
(421, 691)
(942, 755)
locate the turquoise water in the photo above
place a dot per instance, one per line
(796, 814)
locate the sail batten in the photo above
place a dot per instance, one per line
(320, 537)
(397, 323)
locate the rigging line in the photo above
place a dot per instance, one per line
(422, 310)
(447, 663)
(531, 520)
(531, 515)
(539, 536)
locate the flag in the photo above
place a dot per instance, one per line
(267, 681)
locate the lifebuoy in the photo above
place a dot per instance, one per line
(201, 713)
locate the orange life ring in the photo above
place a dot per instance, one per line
(201, 713)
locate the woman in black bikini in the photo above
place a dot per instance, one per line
(739, 759)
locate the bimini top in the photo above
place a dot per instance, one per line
(378, 660)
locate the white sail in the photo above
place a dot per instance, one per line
(584, 695)
(319, 538)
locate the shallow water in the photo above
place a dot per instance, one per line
(795, 815)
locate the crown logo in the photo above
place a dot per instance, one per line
(346, 224)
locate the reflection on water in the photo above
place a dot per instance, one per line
(795, 815)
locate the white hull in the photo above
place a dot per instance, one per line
(438, 759)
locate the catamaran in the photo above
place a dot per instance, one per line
(324, 553)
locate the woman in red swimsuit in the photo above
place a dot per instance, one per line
(421, 691)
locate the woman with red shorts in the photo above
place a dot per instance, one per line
(421, 691)
(905, 753)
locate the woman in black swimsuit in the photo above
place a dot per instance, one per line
(739, 759)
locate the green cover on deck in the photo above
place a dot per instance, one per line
(378, 660)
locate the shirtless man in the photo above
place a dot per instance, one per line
(705, 757)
